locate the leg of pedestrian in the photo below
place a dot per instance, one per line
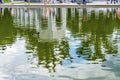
(12, 1)
(29, 2)
(114, 1)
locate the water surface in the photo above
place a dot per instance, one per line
(60, 44)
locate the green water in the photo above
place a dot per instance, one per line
(60, 44)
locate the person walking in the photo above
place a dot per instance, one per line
(79, 2)
(84, 1)
(25, 0)
(12, 2)
(113, 1)
(1, 1)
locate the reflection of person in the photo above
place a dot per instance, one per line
(12, 11)
(46, 12)
(108, 13)
(27, 13)
(113, 12)
(84, 14)
(1, 12)
(53, 12)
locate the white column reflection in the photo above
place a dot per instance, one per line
(43, 20)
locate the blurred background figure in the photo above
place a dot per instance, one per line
(108, 13)
(1, 12)
(25, 0)
(84, 1)
(12, 1)
(45, 1)
(1, 1)
(113, 1)
(107, 1)
(48, 1)
(79, 1)
(84, 14)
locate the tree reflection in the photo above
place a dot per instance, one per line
(7, 30)
(50, 53)
(96, 33)
(46, 49)
(73, 20)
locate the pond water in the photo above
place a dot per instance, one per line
(59, 44)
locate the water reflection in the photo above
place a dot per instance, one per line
(95, 34)
(7, 30)
(63, 38)
(46, 41)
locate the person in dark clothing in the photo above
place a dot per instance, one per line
(84, 1)
(26, 1)
(1, 1)
(115, 1)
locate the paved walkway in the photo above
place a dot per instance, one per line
(94, 4)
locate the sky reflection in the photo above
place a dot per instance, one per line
(59, 43)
